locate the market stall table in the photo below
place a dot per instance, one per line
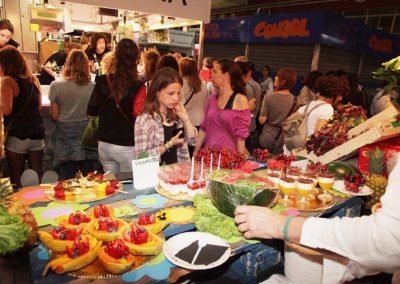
(246, 263)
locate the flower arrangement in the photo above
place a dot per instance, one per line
(389, 72)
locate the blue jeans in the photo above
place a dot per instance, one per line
(115, 158)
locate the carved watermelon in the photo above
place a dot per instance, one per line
(231, 188)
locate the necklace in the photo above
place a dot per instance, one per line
(167, 117)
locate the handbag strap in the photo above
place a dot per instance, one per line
(24, 108)
(116, 101)
(188, 100)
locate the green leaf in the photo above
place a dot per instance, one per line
(143, 155)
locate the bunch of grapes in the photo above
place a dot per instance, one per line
(229, 159)
(261, 155)
(354, 182)
(328, 138)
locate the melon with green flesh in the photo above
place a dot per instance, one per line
(340, 169)
(230, 189)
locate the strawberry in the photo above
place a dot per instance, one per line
(117, 249)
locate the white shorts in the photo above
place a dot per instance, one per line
(22, 146)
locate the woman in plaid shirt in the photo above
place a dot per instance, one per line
(164, 128)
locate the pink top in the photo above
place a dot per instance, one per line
(224, 127)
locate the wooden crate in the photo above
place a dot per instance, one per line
(379, 127)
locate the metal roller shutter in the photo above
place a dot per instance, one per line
(220, 50)
(369, 65)
(277, 56)
(333, 58)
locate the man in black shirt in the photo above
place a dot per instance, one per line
(47, 75)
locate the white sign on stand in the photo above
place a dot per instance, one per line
(145, 172)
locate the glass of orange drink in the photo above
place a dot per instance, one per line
(286, 186)
(304, 188)
(326, 180)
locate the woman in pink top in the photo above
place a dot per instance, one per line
(227, 115)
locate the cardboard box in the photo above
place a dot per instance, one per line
(389, 147)
(47, 48)
(380, 127)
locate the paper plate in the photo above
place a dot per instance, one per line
(179, 242)
(339, 186)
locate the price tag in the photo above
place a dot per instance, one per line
(145, 172)
(300, 164)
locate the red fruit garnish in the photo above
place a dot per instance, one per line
(77, 218)
(78, 248)
(101, 210)
(59, 190)
(61, 233)
(137, 235)
(114, 182)
(108, 225)
(90, 176)
(146, 219)
(117, 249)
(99, 178)
(111, 189)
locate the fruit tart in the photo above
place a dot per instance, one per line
(60, 237)
(82, 252)
(107, 229)
(101, 211)
(154, 223)
(142, 242)
(115, 257)
(74, 220)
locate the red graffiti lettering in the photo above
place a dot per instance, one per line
(283, 29)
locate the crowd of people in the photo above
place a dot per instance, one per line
(225, 104)
(164, 106)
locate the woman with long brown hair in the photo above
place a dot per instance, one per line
(275, 108)
(164, 128)
(118, 99)
(69, 98)
(21, 102)
(227, 116)
(194, 92)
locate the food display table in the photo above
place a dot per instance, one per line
(247, 261)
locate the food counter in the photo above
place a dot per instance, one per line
(247, 262)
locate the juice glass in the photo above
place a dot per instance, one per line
(326, 180)
(312, 176)
(286, 186)
(304, 188)
(274, 177)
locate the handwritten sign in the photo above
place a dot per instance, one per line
(145, 172)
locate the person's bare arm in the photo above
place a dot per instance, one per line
(9, 89)
(320, 123)
(54, 111)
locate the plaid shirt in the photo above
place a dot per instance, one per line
(149, 137)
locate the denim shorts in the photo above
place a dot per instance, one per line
(22, 146)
